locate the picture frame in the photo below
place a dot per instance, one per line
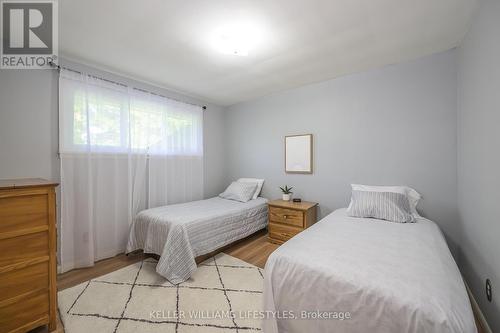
(299, 154)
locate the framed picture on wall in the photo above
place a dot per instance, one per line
(299, 153)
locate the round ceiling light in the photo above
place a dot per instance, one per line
(235, 39)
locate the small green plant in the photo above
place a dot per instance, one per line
(286, 190)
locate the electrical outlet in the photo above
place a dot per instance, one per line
(489, 291)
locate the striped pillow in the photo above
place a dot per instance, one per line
(390, 206)
(239, 191)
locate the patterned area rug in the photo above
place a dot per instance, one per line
(221, 296)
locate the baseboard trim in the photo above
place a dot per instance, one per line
(477, 311)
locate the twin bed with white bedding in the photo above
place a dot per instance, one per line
(389, 277)
(179, 233)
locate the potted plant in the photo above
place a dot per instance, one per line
(287, 193)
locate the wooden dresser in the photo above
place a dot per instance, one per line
(286, 219)
(27, 255)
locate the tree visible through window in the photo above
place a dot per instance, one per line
(111, 121)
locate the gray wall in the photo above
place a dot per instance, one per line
(28, 125)
(214, 140)
(395, 125)
(479, 157)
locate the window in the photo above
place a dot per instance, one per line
(100, 116)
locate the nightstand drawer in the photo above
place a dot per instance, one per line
(286, 216)
(282, 232)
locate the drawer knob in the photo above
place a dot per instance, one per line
(285, 217)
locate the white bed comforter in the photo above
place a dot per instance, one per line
(179, 233)
(390, 277)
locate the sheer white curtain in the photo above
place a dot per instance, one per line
(122, 150)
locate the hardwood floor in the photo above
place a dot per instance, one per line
(102, 267)
(254, 250)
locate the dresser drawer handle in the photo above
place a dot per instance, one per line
(285, 216)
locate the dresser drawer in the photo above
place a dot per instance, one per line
(23, 212)
(25, 314)
(18, 282)
(20, 249)
(282, 232)
(286, 216)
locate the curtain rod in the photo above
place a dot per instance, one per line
(58, 67)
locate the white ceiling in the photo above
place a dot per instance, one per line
(168, 42)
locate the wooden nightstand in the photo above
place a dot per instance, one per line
(286, 219)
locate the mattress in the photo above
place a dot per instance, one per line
(366, 275)
(179, 233)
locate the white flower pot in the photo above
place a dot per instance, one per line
(287, 197)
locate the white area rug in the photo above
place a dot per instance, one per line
(221, 296)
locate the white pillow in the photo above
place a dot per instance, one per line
(413, 196)
(389, 206)
(259, 182)
(239, 191)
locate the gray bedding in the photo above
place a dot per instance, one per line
(179, 233)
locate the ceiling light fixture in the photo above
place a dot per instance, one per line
(235, 39)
